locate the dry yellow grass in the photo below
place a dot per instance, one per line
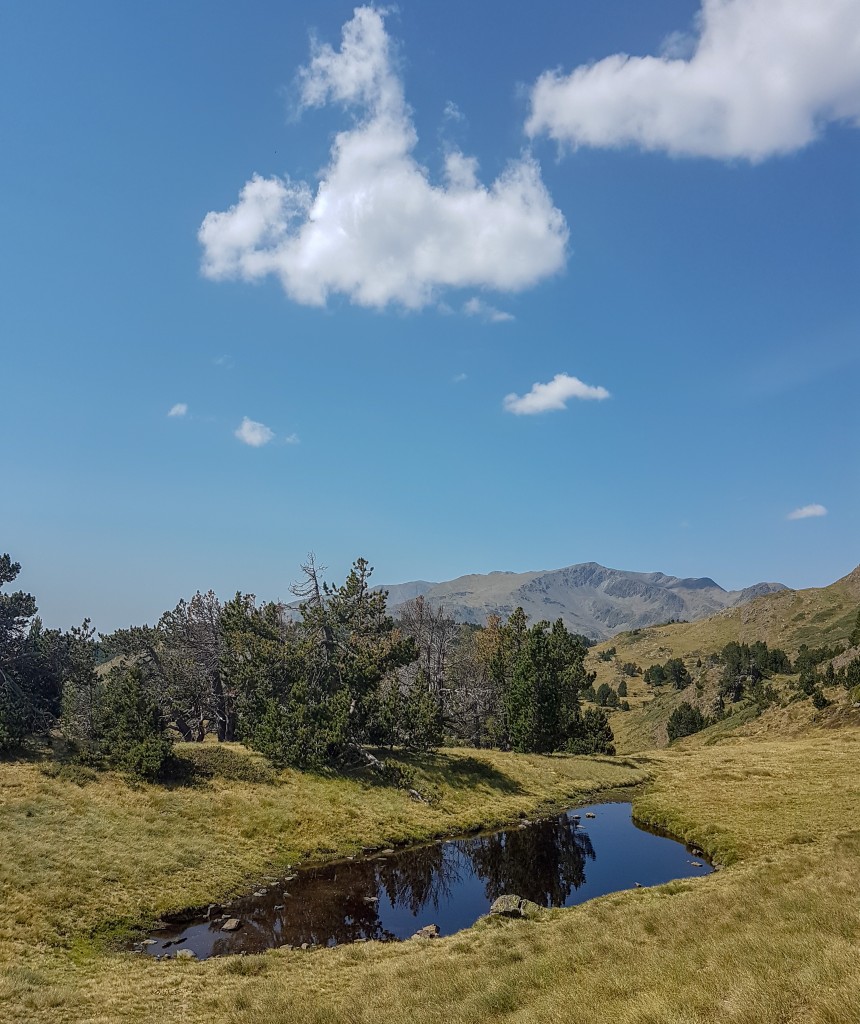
(821, 615)
(772, 939)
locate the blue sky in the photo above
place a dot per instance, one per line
(452, 203)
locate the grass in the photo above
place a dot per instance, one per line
(772, 938)
(85, 862)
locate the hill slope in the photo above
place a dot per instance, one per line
(786, 619)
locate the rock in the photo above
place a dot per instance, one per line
(291, 878)
(507, 906)
(638, 885)
(371, 899)
(696, 863)
(186, 954)
(149, 942)
(232, 924)
(576, 817)
(304, 945)
(278, 906)
(429, 931)
(259, 893)
(387, 853)
(590, 814)
(514, 906)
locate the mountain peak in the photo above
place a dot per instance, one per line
(589, 598)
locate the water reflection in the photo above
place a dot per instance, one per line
(544, 862)
(552, 862)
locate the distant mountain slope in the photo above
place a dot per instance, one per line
(786, 619)
(589, 598)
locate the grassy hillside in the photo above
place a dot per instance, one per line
(787, 619)
(770, 938)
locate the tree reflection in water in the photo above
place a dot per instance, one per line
(544, 862)
(383, 898)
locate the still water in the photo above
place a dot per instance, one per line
(555, 862)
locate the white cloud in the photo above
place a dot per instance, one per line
(458, 378)
(763, 77)
(477, 307)
(292, 439)
(376, 229)
(180, 409)
(254, 434)
(554, 395)
(807, 512)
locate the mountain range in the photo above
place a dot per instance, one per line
(589, 598)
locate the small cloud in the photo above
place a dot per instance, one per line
(488, 313)
(553, 395)
(252, 433)
(180, 409)
(807, 512)
(452, 112)
(458, 378)
(292, 439)
(223, 361)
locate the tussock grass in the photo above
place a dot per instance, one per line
(771, 939)
(92, 860)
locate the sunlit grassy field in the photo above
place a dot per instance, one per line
(773, 936)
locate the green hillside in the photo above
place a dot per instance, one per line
(788, 620)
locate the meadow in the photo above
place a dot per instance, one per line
(773, 936)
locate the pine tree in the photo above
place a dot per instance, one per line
(129, 731)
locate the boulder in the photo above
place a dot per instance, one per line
(514, 906)
(186, 954)
(429, 931)
(508, 906)
(232, 924)
(590, 814)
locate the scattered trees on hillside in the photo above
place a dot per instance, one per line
(674, 671)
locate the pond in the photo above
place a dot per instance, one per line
(389, 895)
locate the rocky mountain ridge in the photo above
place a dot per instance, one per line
(589, 598)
